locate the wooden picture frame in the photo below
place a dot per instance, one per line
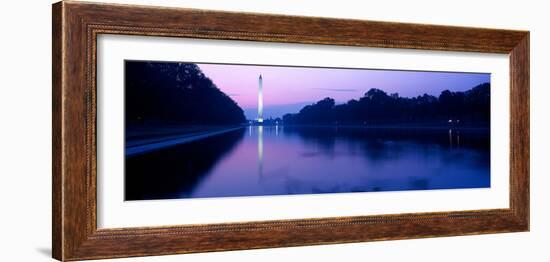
(76, 26)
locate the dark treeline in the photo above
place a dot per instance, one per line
(471, 107)
(177, 93)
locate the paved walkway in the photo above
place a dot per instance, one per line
(165, 142)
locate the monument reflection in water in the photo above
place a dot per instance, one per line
(281, 160)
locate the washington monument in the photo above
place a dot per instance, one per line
(260, 101)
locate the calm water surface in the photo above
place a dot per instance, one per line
(256, 161)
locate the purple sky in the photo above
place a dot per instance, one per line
(288, 89)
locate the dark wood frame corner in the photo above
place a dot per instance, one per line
(76, 26)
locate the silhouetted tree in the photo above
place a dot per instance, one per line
(377, 107)
(176, 92)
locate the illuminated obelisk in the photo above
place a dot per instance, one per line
(260, 101)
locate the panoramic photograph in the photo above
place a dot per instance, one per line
(201, 130)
